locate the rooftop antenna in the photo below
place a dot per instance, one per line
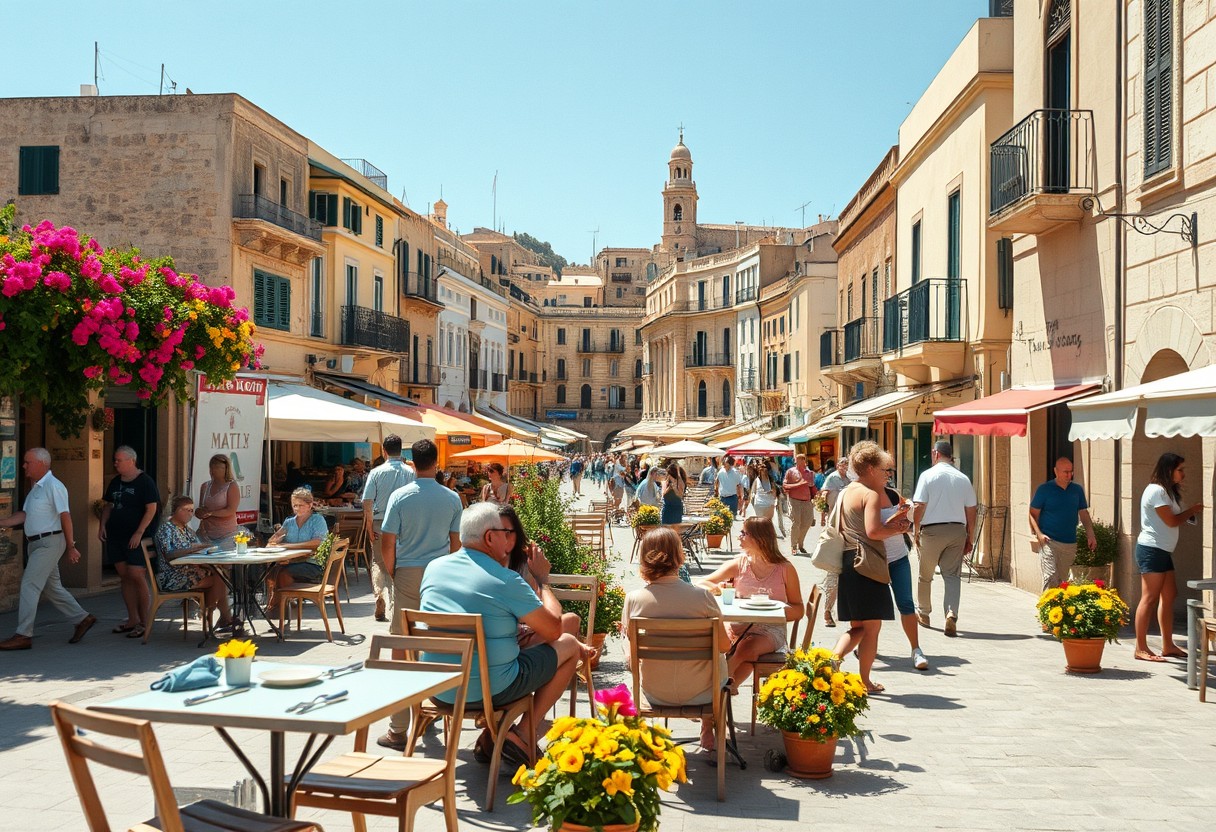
(96, 62)
(593, 237)
(802, 208)
(172, 83)
(495, 190)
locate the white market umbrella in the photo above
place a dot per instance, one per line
(684, 449)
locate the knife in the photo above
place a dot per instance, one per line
(337, 671)
(219, 694)
(321, 702)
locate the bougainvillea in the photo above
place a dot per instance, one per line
(75, 317)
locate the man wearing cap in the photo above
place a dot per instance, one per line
(943, 522)
(49, 535)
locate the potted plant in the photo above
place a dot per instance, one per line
(1083, 617)
(715, 529)
(1092, 564)
(645, 518)
(603, 774)
(813, 704)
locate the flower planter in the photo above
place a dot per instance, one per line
(237, 672)
(611, 827)
(1083, 655)
(809, 759)
(714, 541)
(597, 641)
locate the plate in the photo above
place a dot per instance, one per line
(271, 550)
(757, 605)
(289, 677)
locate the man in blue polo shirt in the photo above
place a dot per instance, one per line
(1056, 508)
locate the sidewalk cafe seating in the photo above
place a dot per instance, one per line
(159, 597)
(770, 663)
(317, 593)
(590, 530)
(601, 507)
(497, 716)
(683, 639)
(352, 528)
(579, 588)
(394, 786)
(1207, 641)
(79, 731)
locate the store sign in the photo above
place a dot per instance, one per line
(230, 419)
(459, 439)
(854, 421)
(568, 415)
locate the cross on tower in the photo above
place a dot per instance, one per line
(681, 132)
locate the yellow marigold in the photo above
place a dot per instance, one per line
(837, 678)
(1056, 615)
(813, 719)
(820, 685)
(837, 695)
(571, 759)
(1072, 592)
(1072, 610)
(649, 765)
(1055, 631)
(619, 781)
(1105, 603)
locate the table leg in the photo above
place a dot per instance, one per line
(253, 772)
(732, 742)
(1194, 608)
(278, 781)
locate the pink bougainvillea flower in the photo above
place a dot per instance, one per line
(618, 698)
(92, 372)
(58, 281)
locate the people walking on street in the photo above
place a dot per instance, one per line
(800, 489)
(1161, 514)
(763, 494)
(944, 522)
(782, 504)
(49, 536)
(218, 500)
(382, 481)
(728, 486)
(900, 567)
(674, 487)
(833, 483)
(650, 491)
(576, 475)
(709, 473)
(1056, 508)
(132, 502)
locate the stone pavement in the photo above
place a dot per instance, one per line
(995, 736)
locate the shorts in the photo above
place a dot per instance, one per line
(305, 573)
(537, 665)
(732, 503)
(1150, 559)
(116, 551)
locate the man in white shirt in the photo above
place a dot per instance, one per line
(49, 535)
(943, 521)
(729, 485)
(382, 481)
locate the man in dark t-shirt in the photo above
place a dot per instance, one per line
(130, 514)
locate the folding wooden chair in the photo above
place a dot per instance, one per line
(498, 716)
(1207, 640)
(579, 588)
(589, 529)
(317, 593)
(770, 663)
(395, 786)
(352, 529)
(683, 639)
(78, 732)
(601, 507)
(158, 597)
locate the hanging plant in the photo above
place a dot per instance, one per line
(107, 317)
(102, 419)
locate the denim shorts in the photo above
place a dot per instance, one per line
(901, 584)
(1151, 559)
(732, 503)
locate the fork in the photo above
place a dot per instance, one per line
(307, 703)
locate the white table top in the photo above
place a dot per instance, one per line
(373, 695)
(230, 557)
(1203, 583)
(735, 612)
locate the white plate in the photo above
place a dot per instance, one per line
(288, 677)
(757, 605)
(271, 550)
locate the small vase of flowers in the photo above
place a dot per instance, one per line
(242, 539)
(238, 661)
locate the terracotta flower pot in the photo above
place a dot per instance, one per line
(611, 827)
(809, 759)
(597, 641)
(714, 541)
(1083, 655)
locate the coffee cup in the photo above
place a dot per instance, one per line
(728, 595)
(760, 598)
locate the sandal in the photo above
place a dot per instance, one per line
(124, 628)
(1149, 656)
(483, 749)
(514, 754)
(136, 632)
(875, 688)
(1176, 653)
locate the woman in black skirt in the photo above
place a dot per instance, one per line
(864, 602)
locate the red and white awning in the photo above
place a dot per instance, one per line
(1006, 413)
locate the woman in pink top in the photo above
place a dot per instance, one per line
(217, 504)
(760, 569)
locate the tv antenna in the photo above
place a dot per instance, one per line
(802, 208)
(593, 234)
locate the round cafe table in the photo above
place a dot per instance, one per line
(249, 569)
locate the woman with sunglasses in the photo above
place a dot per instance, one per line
(217, 504)
(523, 552)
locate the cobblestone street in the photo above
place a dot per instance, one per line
(994, 736)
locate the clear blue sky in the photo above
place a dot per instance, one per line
(575, 104)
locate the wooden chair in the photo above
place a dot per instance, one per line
(601, 507)
(579, 588)
(78, 732)
(497, 716)
(317, 593)
(395, 786)
(589, 529)
(158, 597)
(352, 529)
(770, 663)
(1207, 641)
(683, 639)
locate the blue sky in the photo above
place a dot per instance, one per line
(575, 104)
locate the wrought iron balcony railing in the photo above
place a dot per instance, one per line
(709, 359)
(829, 348)
(861, 339)
(931, 310)
(1048, 152)
(254, 207)
(363, 327)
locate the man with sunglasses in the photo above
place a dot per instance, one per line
(1055, 510)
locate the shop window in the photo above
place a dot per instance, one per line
(38, 171)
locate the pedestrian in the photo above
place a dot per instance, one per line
(709, 473)
(728, 485)
(944, 521)
(674, 487)
(421, 523)
(382, 481)
(782, 505)
(900, 565)
(650, 492)
(218, 500)
(1161, 514)
(763, 494)
(497, 490)
(576, 475)
(49, 536)
(1056, 508)
(132, 503)
(800, 489)
(834, 482)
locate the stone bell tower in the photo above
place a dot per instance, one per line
(680, 204)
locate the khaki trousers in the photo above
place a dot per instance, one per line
(1056, 559)
(941, 547)
(802, 517)
(407, 595)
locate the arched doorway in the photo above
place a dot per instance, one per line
(585, 397)
(702, 400)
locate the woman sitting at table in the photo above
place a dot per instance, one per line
(673, 683)
(497, 490)
(337, 488)
(522, 554)
(176, 539)
(303, 530)
(760, 569)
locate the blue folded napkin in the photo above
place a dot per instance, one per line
(203, 672)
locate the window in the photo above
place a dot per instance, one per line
(39, 171)
(677, 213)
(620, 293)
(637, 368)
(561, 394)
(352, 285)
(616, 397)
(848, 315)
(378, 293)
(586, 368)
(620, 261)
(584, 397)
(561, 335)
(352, 215)
(916, 252)
(637, 338)
(323, 207)
(271, 301)
(726, 398)
(317, 312)
(874, 294)
(953, 233)
(561, 368)
(886, 279)
(587, 302)
(781, 321)
(702, 400)
(1158, 85)
(797, 366)
(379, 232)
(785, 368)
(614, 368)
(637, 396)
(284, 190)
(259, 178)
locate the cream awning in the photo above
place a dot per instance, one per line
(1178, 405)
(297, 412)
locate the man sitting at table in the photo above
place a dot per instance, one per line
(477, 579)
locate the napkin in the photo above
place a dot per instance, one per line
(203, 672)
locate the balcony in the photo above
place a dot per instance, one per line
(745, 295)
(589, 346)
(479, 379)
(709, 359)
(747, 381)
(1038, 169)
(363, 327)
(829, 348)
(498, 382)
(421, 287)
(367, 169)
(861, 340)
(254, 207)
(528, 378)
(425, 375)
(925, 330)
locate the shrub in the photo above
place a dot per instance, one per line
(1107, 551)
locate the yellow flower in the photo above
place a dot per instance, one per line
(649, 765)
(560, 726)
(1056, 615)
(1105, 603)
(1072, 610)
(625, 755)
(813, 719)
(619, 781)
(1072, 592)
(520, 776)
(542, 764)
(571, 759)
(837, 696)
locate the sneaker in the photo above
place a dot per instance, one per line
(951, 625)
(923, 618)
(918, 659)
(393, 740)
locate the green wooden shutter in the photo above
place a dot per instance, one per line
(331, 209)
(312, 206)
(283, 304)
(356, 215)
(1158, 85)
(403, 267)
(260, 299)
(347, 222)
(38, 170)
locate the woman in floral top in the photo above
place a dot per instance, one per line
(176, 539)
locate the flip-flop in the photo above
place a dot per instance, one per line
(1175, 654)
(1150, 657)
(124, 628)
(875, 688)
(136, 632)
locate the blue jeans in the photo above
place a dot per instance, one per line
(901, 585)
(732, 503)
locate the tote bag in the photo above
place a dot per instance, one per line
(829, 549)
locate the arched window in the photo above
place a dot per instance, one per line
(726, 397)
(677, 213)
(561, 394)
(584, 397)
(702, 400)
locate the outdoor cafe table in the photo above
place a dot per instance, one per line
(372, 695)
(1194, 610)
(249, 568)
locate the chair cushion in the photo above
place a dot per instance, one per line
(213, 816)
(358, 774)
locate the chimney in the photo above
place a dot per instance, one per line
(88, 90)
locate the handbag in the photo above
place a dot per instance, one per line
(829, 549)
(871, 563)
